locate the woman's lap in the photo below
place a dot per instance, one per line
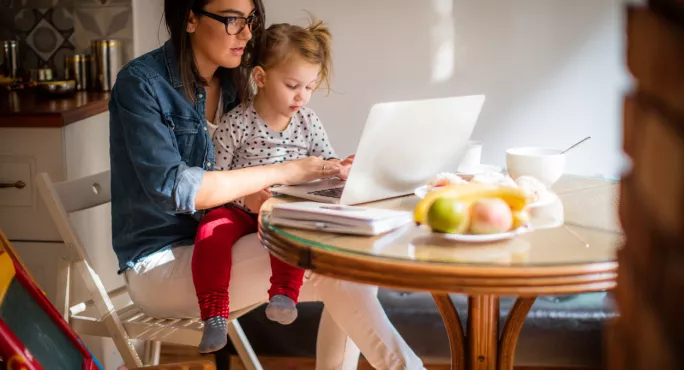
(162, 285)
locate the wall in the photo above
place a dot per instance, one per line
(551, 69)
(149, 31)
(104, 19)
(50, 30)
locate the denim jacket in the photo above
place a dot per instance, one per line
(159, 150)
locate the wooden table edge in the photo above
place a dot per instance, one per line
(443, 278)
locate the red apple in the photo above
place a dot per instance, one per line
(490, 216)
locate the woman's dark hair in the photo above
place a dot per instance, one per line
(176, 14)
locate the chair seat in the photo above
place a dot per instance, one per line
(140, 326)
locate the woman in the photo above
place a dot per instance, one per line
(162, 111)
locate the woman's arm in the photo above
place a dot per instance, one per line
(221, 187)
(166, 179)
(150, 144)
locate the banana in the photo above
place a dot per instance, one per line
(469, 193)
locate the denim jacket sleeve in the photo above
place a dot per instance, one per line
(152, 147)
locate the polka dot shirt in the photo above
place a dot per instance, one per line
(242, 139)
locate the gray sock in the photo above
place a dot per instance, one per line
(214, 336)
(281, 309)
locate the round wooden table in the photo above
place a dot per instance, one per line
(571, 254)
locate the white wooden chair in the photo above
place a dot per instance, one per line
(98, 316)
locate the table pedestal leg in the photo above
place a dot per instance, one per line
(482, 332)
(482, 349)
(511, 331)
(454, 330)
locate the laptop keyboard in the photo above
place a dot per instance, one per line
(330, 193)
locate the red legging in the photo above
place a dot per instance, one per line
(212, 261)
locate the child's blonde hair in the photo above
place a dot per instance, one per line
(282, 41)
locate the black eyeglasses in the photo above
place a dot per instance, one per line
(234, 24)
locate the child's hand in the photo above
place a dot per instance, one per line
(254, 201)
(348, 161)
(346, 167)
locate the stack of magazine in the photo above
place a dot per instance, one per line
(356, 220)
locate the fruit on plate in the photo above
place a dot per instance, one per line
(494, 178)
(468, 193)
(520, 218)
(534, 190)
(445, 179)
(490, 216)
(448, 215)
(449, 191)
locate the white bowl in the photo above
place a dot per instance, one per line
(546, 165)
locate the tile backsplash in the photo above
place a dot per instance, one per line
(104, 19)
(49, 30)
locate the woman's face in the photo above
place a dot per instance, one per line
(211, 43)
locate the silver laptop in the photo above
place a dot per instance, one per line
(403, 145)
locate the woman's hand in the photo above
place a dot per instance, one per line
(308, 169)
(254, 201)
(221, 187)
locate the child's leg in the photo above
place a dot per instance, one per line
(211, 264)
(286, 280)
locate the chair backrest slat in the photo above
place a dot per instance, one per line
(60, 215)
(67, 197)
(84, 193)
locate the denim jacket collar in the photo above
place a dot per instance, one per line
(227, 88)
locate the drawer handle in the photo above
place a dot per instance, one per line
(18, 185)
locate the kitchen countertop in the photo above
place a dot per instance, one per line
(27, 109)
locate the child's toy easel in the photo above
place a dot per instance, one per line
(33, 335)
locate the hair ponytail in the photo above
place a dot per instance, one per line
(324, 38)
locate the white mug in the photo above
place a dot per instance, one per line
(471, 157)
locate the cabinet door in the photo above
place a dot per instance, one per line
(86, 146)
(77, 150)
(24, 153)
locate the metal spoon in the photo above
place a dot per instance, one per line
(576, 144)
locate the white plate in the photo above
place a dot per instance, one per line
(479, 170)
(422, 191)
(486, 238)
(545, 200)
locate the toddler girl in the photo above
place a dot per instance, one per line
(273, 127)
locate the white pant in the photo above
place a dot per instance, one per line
(161, 285)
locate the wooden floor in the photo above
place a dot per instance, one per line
(171, 354)
(307, 364)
